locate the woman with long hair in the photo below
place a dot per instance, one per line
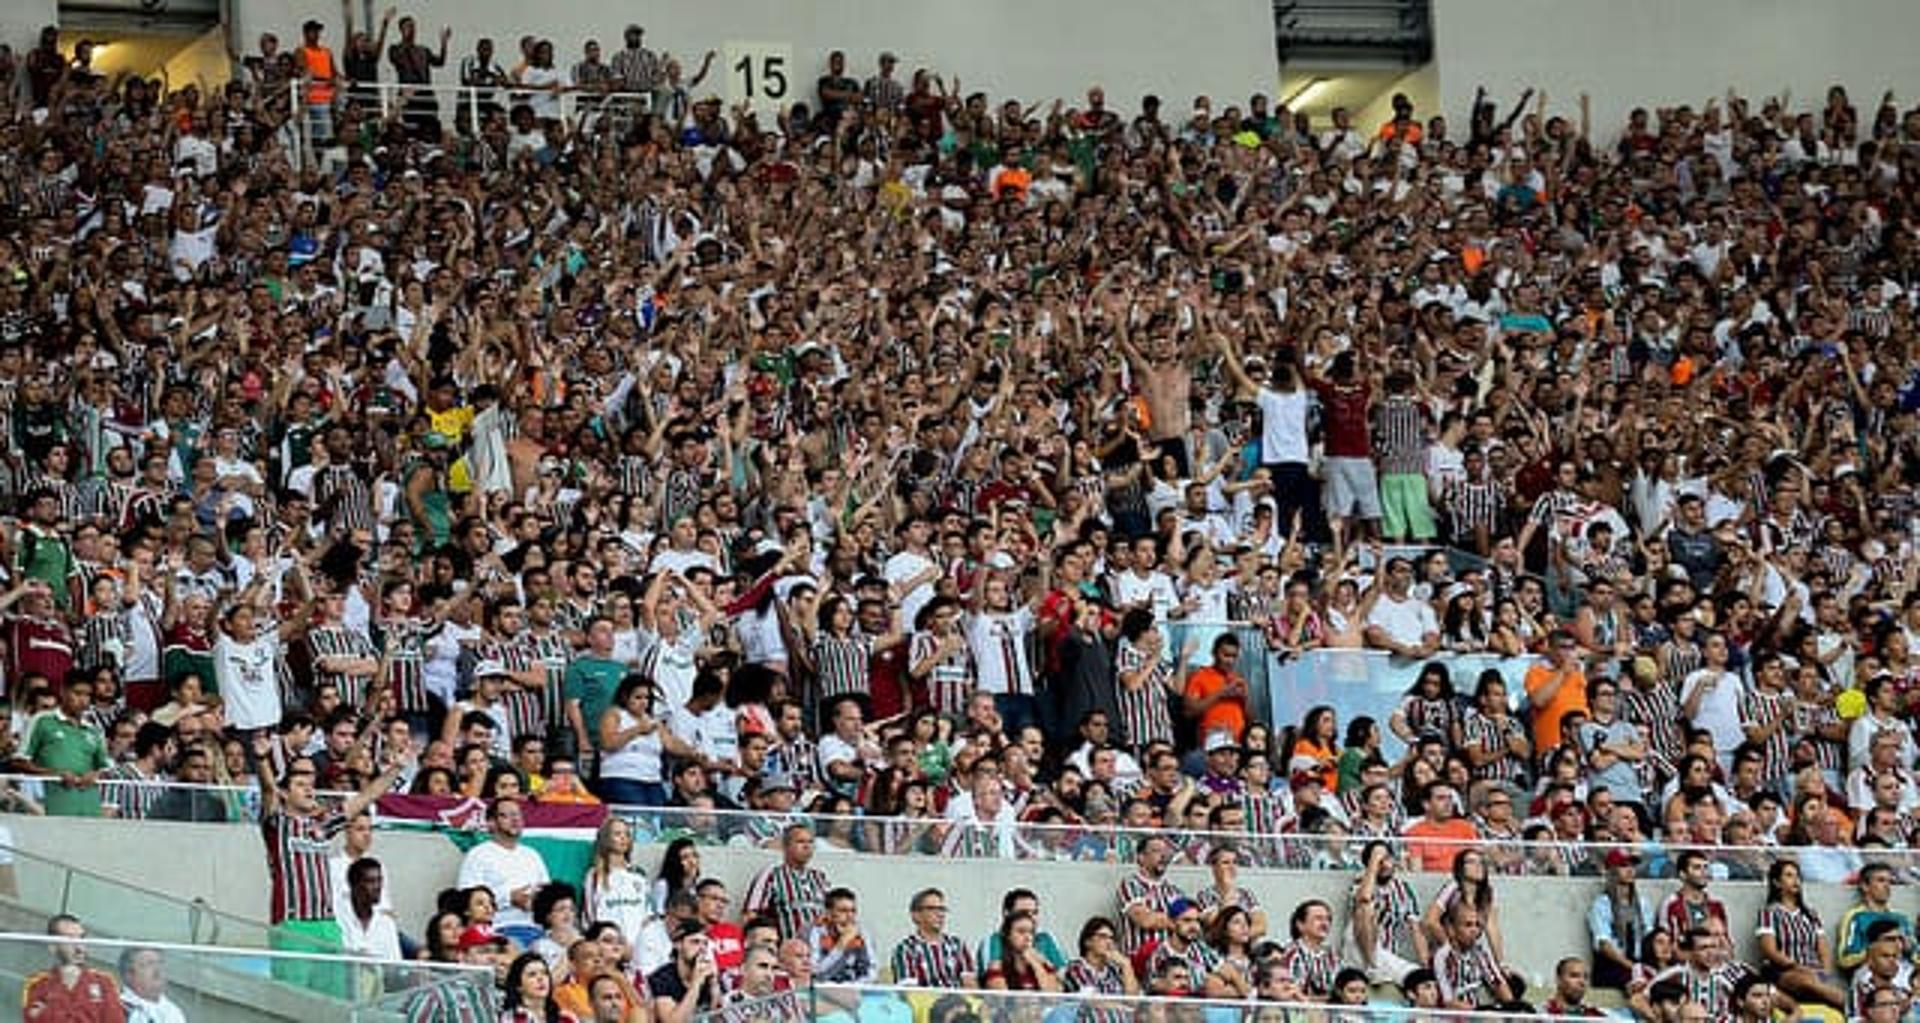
(679, 871)
(1472, 881)
(1428, 708)
(612, 891)
(1314, 746)
(530, 993)
(1231, 936)
(443, 937)
(1494, 741)
(1020, 967)
(1795, 952)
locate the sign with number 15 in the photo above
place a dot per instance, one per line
(760, 75)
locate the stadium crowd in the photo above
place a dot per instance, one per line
(936, 460)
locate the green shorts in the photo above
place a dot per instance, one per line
(1404, 510)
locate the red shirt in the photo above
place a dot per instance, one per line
(729, 945)
(1349, 432)
(94, 998)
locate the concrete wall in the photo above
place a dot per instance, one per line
(203, 60)
(1542, 919)
(1629, 53)
(1036, 51)
(22, 20)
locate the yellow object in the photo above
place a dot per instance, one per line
(1850, 704)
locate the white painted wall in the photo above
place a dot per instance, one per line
(1033, 50)
(1628, 53)
(22, 20)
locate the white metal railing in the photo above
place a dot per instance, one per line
(1097, 843)
(588, 108)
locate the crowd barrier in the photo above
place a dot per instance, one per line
(1371, 683)
(212, 982)
(1338, 848)
(460, 107)
(841, 1003)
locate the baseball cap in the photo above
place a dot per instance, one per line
(1621, 858)
(478, 935)
(1219, 740)
(489, 668)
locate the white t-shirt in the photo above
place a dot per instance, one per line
(502, 870)
(1719, 708)
(1129, 588)
(639, 760)
(249, 685)
(1283, 426)
(1406, 621)
(901, 567)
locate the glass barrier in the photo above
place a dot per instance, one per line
(117, 908)
(1272, 837)
(96, 978)
(847, 1004)
(1340, 846)
(1368, 683)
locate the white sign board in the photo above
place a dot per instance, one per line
(761, 75)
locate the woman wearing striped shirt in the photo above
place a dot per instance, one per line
(840, 652)
(1146, 678)
(1795, 953)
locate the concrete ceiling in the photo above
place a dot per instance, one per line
(1350, 87)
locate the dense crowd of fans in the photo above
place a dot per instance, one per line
(935, 458)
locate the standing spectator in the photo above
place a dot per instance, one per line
(883, 91)
(64, 746)
(413, 65)
(512, 872)
(1555, 689)
(1711, 697)
(317, 70)
(299, 832)
(1216, 695)
(836, 91)
(929, 957)
(792, 892)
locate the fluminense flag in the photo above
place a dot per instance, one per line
(562, 833)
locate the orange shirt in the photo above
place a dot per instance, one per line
(1409, 133)
(1328, 760)
(1546, 718)
(1229, 715)
(1437, 857)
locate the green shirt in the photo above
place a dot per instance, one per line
(592, 680)
(68, 747)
